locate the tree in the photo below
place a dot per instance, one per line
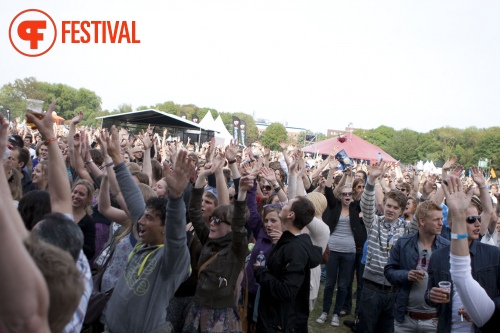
(272, 136)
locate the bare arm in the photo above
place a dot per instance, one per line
(59, 188)
(484, 196)
(116, 215)
(23, 284)
(222, 191)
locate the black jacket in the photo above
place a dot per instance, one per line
(285, 284)
(332, 214)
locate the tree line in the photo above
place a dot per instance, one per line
(407, 146)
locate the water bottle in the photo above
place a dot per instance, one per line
(379, 157)
(261, 259)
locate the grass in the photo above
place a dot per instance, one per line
(314, 327)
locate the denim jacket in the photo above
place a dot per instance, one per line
(402, 259)
(485, 263)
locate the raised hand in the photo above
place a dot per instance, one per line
(268, 174)
(232, 150)
(246, 183)
(375, 170)
(283, 145)
(113, 146)
(146, 140)
(78, 118)
(178, 179)
(449, 163)
(478, 177)
(46, 124)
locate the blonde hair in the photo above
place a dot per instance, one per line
(16, 188)
(90, 193)
(319, 202)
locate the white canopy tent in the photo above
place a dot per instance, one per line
(221, 134)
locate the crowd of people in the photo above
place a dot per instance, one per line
(106, 231)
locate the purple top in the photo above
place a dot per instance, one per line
(263, 241)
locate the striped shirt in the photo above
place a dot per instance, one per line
(381, 236)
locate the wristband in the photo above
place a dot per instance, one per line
(50, 140)
(108, 164)
(459, 236)
(231, 162)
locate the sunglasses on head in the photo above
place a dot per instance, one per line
(346, 194)
(267, 188)
(216, 220)
(473, 219)
(274, 205)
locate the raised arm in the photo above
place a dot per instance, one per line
(22, 283)
(270, 176)
(59, 188)
(239, 232)
(114, 214)
(484, 196)
(146, 162)
(176, 255)
(220, 179)
(131, 192)
(368, 198)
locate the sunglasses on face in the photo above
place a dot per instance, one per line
(216, 220)
(267, 188)
(346, 194)
(360, 186)
(401, 189)
(473, 219)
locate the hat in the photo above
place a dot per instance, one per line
(212, 190)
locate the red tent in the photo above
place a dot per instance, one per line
(353, 145)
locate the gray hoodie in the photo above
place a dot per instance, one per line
(139, 302)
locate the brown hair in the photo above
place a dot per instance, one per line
(303, 209)
(397, 196)
(64, 281)
(157, 170)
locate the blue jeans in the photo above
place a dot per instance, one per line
(377, 306)
(359, 268)
(339, 266)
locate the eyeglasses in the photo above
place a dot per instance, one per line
(274, 205)
(360, 186)
(346, 194)
(267, 188)
(473, 219)
(423, 263)
(216, 220)
(401, 189)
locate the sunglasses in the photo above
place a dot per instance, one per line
(267, 188)
(473, 219)
(274, 205)
(401, 189)
(360, 186)
(346, 194)
(423, 263)
(216, 220)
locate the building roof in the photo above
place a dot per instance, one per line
(354, 146)
(151, 117)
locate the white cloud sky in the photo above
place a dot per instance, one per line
(316, 64)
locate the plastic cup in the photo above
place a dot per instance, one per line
(35, 107)
(446, 286)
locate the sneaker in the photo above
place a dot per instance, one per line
(335, 320)
(343, 313)
(322, 318)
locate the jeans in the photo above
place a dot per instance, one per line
(376, 313)
(359, 268)
(339, 266)
(416, 326)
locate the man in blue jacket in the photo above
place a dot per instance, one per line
(407, 268)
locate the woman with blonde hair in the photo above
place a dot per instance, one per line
(16, 189)
(81, 199)
(319, 233)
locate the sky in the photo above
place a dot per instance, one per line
(317, 65)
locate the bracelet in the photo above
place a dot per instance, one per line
(50, 140)
(108, 164)
(231, 162)
(277, 189)
(459, 236)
